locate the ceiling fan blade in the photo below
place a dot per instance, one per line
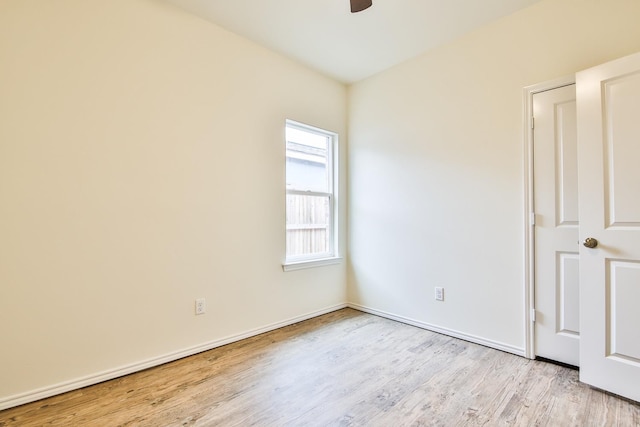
(360, 5)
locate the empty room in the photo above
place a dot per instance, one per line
(319, 212)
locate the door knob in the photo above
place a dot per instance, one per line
(590, 242)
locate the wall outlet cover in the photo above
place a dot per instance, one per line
(201, 306)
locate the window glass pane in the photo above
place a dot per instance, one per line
(307, 161)
(308, 225)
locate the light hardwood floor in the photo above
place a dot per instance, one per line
(344, 368)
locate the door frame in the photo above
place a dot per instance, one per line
(528, 214)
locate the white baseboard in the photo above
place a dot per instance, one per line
(445, 331)
(32, 396)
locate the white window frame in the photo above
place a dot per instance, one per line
(333, 256)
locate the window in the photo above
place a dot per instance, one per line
(311, 202)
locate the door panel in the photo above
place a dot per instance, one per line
(566, 158)
(556, 230)
(621, 126)
(608, 107)
(568, 295)
(623, 294)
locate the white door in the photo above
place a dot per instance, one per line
(555, 160)
(608, 107)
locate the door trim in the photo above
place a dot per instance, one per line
(529, 253)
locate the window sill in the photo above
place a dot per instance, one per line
(299, 265)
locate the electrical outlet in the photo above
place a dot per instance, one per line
(439, 294)
(201, 306)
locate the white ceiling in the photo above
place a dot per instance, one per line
(324, 35)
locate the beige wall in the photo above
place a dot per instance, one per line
(141, 167)
(436, 166)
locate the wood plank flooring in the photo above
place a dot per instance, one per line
(345, 368)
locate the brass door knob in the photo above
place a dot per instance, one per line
(590, 242)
